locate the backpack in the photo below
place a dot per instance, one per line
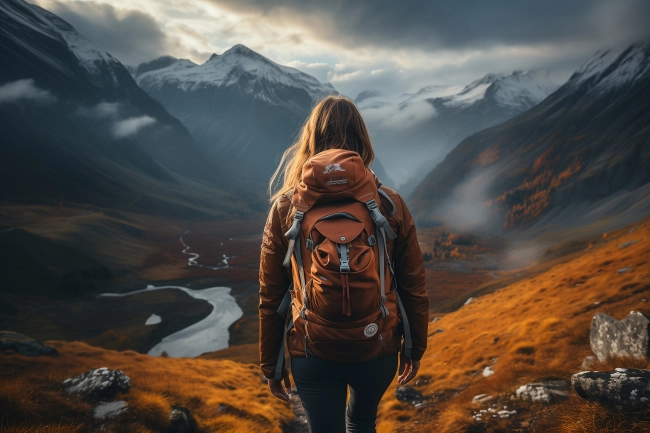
(342, 304)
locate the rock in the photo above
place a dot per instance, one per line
(627, 244)
(622, 388)
(487, 372)
(100, 383)
(24, 345)
(547, 392)
(482, 398)
(181, 420)
(469, 301)
(437, 331)
(612, 338)
(109, 410)
(408, 394)
(589, 362)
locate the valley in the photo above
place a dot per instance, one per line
(133, 202)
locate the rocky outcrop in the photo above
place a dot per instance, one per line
(24, 345)
(622, 388)
(613, 338)
(408, 394)
(546, 392)
(98, 384)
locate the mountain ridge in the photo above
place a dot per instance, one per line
(585, 142)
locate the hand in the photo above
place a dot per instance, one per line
(408, 369)
(275, 385)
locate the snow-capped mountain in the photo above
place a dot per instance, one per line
(241, 107)
(78, 129)
(579, 157)
(432, 121)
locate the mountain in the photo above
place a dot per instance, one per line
(417, 131)
(581, 155)
(78, 129)
(241, 107)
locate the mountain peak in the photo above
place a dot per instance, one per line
(213, 56)
(615, 67)
(241, 50)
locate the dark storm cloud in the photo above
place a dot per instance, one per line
(131, 36)
(432, 25)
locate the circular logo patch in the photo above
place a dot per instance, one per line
(370, 330)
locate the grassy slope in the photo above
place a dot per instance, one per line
(534, 328)
(32, 397)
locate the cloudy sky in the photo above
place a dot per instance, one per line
(356, 45)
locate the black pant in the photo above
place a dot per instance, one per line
(322, 387)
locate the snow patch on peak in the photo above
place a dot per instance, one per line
(91, 58)
(615, 67)
(239, 66)
(519, 89)
(531, 88)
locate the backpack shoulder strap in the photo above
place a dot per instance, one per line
(384, 195)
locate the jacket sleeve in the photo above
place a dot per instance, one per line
(409, 272)
(274, 282)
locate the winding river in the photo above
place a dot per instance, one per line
(207, 335)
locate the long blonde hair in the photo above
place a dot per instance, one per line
(334, 123)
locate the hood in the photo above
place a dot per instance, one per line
(334, 174)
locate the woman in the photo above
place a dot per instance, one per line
(335, 129)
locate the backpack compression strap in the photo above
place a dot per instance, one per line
(283, 311)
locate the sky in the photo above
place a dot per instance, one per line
(357, 45)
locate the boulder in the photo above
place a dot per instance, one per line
(622, 388)
(180, 420)
(24, 345)
(613, 338)
(109, 410)
(546, 391)
(99, 384)
(408, 394)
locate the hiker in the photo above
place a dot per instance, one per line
(342, 283)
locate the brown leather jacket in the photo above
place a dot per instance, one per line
(275, 280)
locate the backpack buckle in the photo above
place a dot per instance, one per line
(343, 256)
(294, 231)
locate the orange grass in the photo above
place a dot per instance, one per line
(32, 398)
(535, 328)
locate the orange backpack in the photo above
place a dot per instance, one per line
(343, 301)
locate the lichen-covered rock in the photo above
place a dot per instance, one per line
(100, 383)
(109, 410)
(613, 338)
(408, 394)
(623, 388)
(546, 392)
(24, 345)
